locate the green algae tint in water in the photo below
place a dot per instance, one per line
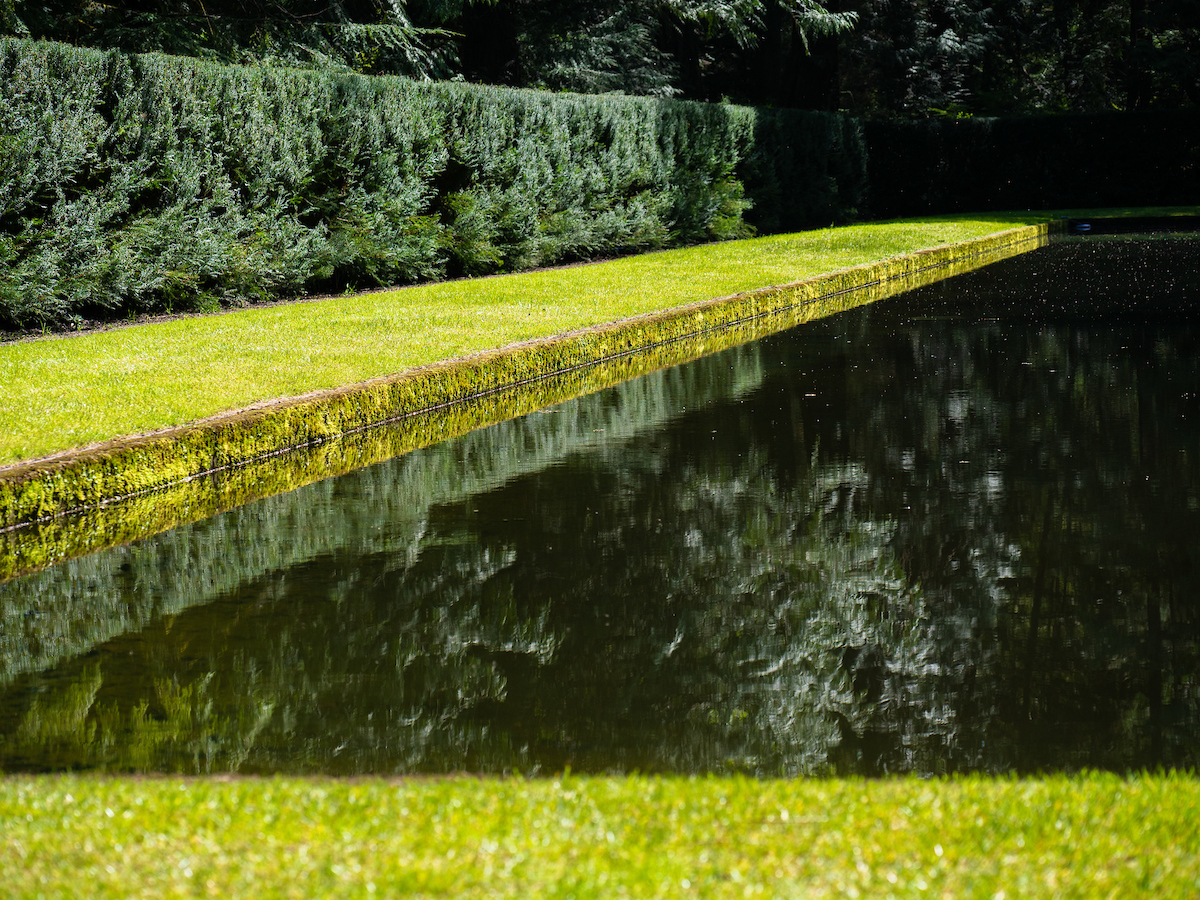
(952, 531)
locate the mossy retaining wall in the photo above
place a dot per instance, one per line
(133, 487)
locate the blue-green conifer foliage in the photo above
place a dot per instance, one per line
(137, 184)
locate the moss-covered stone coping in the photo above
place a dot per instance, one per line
(77, 501)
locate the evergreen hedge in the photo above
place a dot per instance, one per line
(1033, 162)
(147, 183)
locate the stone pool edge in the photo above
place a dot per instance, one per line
(37, 490)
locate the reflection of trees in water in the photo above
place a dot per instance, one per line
(929, 548)
(712, 620)
(1077, 449)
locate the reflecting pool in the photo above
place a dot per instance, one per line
(955, 530)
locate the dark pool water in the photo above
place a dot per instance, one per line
(957, 530)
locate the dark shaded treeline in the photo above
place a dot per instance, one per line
(870, 57)
(1078, 161)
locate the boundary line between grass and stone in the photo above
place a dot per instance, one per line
(40, 490)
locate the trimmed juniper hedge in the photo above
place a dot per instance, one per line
(147, 183)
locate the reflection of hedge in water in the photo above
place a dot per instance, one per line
(762, 647)
(69, 609)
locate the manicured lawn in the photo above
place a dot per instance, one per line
(1085, 836)
(64, 392)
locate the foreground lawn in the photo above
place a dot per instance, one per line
(64, 392)
(1085, 836)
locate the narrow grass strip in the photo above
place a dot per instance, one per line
(1086, 836)
(61, 393)
(126, 468)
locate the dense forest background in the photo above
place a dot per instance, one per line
(881, 58)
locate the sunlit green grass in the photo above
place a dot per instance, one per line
(1090, 836)
(66, 392)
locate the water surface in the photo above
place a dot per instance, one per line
(955, 530)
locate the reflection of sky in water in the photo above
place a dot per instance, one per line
(879, 543)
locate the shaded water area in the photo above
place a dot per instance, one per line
(954, 530)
